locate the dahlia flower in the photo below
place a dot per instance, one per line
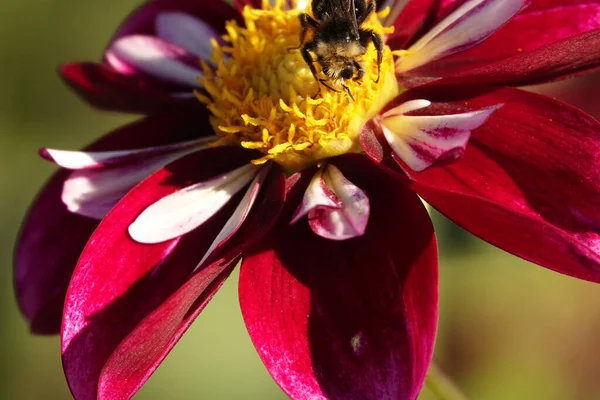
(238, 158)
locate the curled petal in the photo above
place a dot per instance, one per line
(317, 195)
(149, 55)
(337, 209)
(129, 303)
(187, 32)
(469, 25)
(346, 319)
(421, 141)
(190, 207)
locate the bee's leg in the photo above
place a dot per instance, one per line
(307, 23)
(363, 14)
(306, 49)
(366, 36)
(324, 83)
(360, 72)
(348, 91)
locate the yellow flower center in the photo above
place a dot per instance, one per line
(264, 97)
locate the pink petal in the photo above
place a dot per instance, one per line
(470, 24)
(528, 182)
(187, 32)
(52, 238)
(424, 140)
(100, 159)
(337, 209)
(149, 55)
(347, 319)
(190, 207)
(129, 303)
(102, 87)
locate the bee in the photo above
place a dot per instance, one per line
(338, 40)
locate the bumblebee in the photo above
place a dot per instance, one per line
(338, 40)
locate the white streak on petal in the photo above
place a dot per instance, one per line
(188, 208)
(98, 159)
(406, 107)
(153, 56)
(239, 215)
(187, 32)
(351, 219)
(470, 24)
(421, 141)
(93, 192)
(317, 194)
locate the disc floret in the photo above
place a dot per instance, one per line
(264, 97)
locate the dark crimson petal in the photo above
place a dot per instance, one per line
(240, 4)
(543, 43)
(106, 89)
(529, 182)
(141, 21)
(52, 238)
(121, 289)
(353, 319)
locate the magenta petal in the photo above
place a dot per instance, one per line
(128, 303)
(529, 181)
(107, 89)
(52, 238)
(347, 319)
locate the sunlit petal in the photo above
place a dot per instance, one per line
(186, 209)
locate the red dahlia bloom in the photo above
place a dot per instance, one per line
(237, 159)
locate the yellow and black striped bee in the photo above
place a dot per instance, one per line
(338, 39)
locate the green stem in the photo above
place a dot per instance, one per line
(441, 386)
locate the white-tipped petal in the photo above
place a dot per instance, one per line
(470, 24)
(186, 209)
(93, 192)
(421, 141)
(97, 159)
(154, 56)
(187, 32)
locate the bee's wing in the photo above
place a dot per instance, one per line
(344, 10)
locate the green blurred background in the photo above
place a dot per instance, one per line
(508, 329)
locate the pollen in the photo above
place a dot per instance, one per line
(262, 95)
